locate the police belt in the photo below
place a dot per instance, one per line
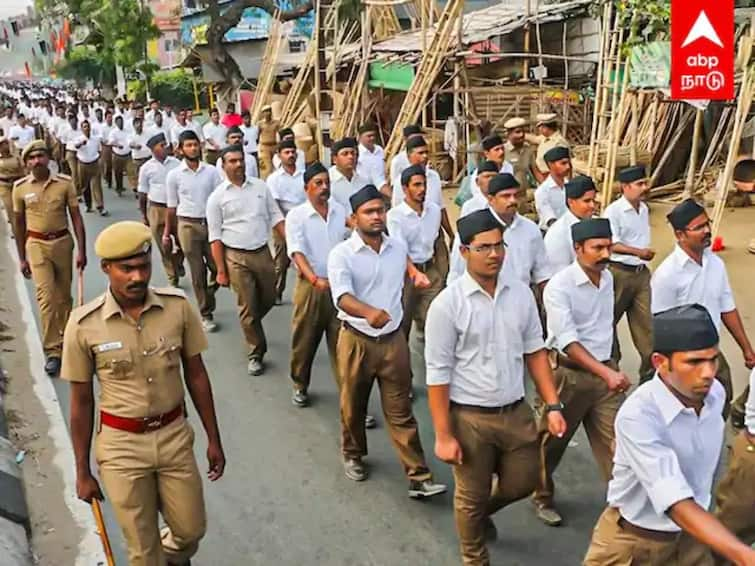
(492, 410)
(46, 235)
(627, 267)
(660, 536)
(144, 424)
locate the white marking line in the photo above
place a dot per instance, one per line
(90, 549)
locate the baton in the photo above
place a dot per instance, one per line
(102, 531)
(80, 289)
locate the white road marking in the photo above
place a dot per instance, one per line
(90, 549)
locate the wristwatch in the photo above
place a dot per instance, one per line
(555, 407)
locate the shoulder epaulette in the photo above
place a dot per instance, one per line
(21, 180)
(171, 291)
(80, 313)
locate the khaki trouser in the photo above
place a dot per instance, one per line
(735, 497)
(441, 257)
(192, 237)
(211, 156)
(52, 272)
(361, 360)
(265, 152)
(133, 172)
(281, 261)
(631, 290)
(106, 161)
(172, 262)
(73, 166)
(91, 183)
(587, 401)
(416, 302)
(613, 545)
(252, 278)
(120, 167)
(313, 316)
(724, 376)
(503, 443)
(738, 406)
(6, 197)
(144, 474)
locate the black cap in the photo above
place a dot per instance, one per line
(502, 182)
(363, 195)
(409, 172)
(233, 130)
(186, 135)
(235, 148)
(491, 141)
(488, 166)
(684, 329)
(415, 142)
(556, 154)
(156, 139)
(475, 223)
(313, 170)
(286, 144)
(345, 143)
(590, 228)
(683, 213)
(283, 132)
(632, 174)
(369, 127)
(410, 130)
(578, 186)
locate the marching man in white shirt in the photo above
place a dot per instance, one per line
(140, 151)
(313, 228)
(579, 307)
(90, 172)
(371, 162)
(580, 195)
(214, 137)
(630, 257)
(188, 187)
(118, 140)
(694, 274)
(366, 277)
(344, 179)
(286, 185)
(401, 161)
(235, 136)
(550, 202)
(287, 134)
(669, 435)
(241, 214)
(493, 149)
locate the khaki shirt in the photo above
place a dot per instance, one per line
(138, 363)
(11, 169)
(268, 132)
(45, 203)
(521, 159)
(546, 145)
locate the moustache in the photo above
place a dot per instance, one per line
(605, 261)
(136, 287)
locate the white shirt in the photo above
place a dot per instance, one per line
(371, 165)
(152, 178)
(188, 190)
(287, 189)
(177, 129)
(117, 138)
(476, 343)
(70, 136)
(21, 136)
(750, 406)
(313, 236)
(665, 453)
(550, 202)
(90, 151)
(242, 217)
(6, 124)
(198, 130)
(417, 232)
(434, 191)
(251, 134)
(577, 311)
(399, 162)
(341, 188)
(153, 130)
(629, 227)
(559, 246)
(679, 280)
(505, 168)
(102, 130)
(376, 279)
(216, 133)
(250, 167)
(143, 152)
(300, 161)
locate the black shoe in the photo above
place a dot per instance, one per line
(52, 366)
(181, 270)
(491, 532)
(300, 398)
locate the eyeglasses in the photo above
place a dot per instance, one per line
(488, 249)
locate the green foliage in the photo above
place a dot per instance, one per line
(84, 63)
(174, 87)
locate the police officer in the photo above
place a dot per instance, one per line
(11, 170)
(669, 435)
(136, 339)
(580, 195)
(549, 137)
(45, 246)
(366, 277)
(268, 129)
(550, 202)
(579, 307)
(519, 152)
(483, 425)
(630, 257)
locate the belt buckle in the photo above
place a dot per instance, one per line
(153, 423)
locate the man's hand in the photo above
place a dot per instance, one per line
(216, 461)
(448, 449)
(81, 260)
(25, 268)
(378, 318)
(420, 280)
(749, 356)
(556, 423)
(167, 243)
(321, 284)
(87, 488)
(222, 279)
(647, 254)
(617, 380)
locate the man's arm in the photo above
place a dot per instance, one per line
(733, 323)
(446, 224)
(218, 255)
(82, 418)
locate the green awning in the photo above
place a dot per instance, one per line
(393, 76)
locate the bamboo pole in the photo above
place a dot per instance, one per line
(598, 89)
(653, 122)
(633, 129)
(696, 132)
(616, 123)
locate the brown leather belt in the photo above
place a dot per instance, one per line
(627, 267)
(660, 536)
(377, 339)
(423, 267)
(158, 204)
(243, 251)
(202, 221)
(46, 235)
(491, 410)
(566, 362)
(141, 425)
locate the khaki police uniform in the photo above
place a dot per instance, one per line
(49, 250)
(267, 143)
(546, 144)
(521, 159)
(11, 170)
(138, 367)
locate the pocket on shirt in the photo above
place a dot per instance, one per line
(117, 364)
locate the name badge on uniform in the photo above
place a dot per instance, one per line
(108, 347)
(31, 197)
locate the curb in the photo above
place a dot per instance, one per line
(14, 514)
